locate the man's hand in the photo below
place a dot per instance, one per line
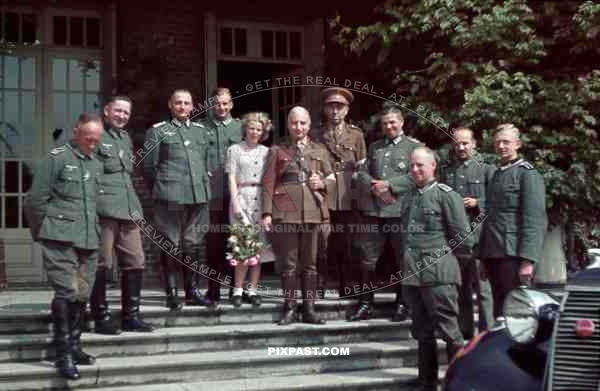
(378, 187)
(315, 182)
(470, 202)
(526, 272)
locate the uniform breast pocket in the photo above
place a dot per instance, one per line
(433, 219)
(69, 184)
(512, 197)
(476, 188)
(316, 164)
(400, 164)
(171, 147)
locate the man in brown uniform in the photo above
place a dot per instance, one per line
(295, 184)
(346, 146)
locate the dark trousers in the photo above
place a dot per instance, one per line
(503, 274)
(434, 311)
(295, 246)
(471, 283)
(336, 243)
(71, 271)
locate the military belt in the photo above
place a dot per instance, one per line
(293, 177)
(342, 166)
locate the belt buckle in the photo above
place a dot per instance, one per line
(301, 177)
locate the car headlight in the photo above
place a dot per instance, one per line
(529, 314)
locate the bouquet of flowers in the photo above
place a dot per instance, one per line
(244, 245)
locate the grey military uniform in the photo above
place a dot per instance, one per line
(515, 226)
(119, 207)
(470, 178)
(175, 168)
(436, 234)
(61, 211)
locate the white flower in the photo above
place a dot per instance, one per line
(236, 249)
(232, 239)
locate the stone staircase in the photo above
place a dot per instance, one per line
(223, 349)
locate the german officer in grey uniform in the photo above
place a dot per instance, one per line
(175, 170)
(295, 186)
(346, 146)
(469, 177)
(61, 210)
(436, 235)
(384, 180)
(120, 212)
(222, 131)
(514, 229)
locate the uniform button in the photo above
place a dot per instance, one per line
(255, 162)
(60, 216)
(254, 174)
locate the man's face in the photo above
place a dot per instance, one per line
(181, 106)
(223, 106)
(298, 125)
(422, 167)
(507, 145)
(87, 136)
(464, 145)
(335, 112)
(391, 125)
(117, 113)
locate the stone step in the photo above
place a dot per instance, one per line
(389, 379)
(36, 347)
(35, 317)
(209, 366)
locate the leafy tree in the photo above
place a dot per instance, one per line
(481, 63)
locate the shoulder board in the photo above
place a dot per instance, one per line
(198, 124)
(444, 187)
(414, 140)
(58, 150)
(527, 165)
(156, 125)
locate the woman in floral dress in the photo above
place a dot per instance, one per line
(245, 166)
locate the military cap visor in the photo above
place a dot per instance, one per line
(336, 94)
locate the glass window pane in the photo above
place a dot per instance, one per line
(59, 74)
(9, 139)
(23, 219)
(11, 72)
(93, 32)
(226, 41)
(267, 43)
(1, 212)
(289, 96)
(11, 107)
(60, 110)
(12, 27)
(60, 30)
(29, 122)
(28, 73)
(75, 76)
(240, 42)
(281, 44)
(298, 95)
(12, 177)
(12, 212)
(29, 26)
(92, 103)
(76, 106)
(92, 76)
(76, 38)
(26, 176)
(295, 45)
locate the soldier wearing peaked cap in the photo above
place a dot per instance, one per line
(346, 149)
(513, 231)
(61, 211)
(175, 171)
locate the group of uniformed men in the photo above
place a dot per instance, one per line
(474, 226)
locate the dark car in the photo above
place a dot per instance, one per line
(542, 345)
